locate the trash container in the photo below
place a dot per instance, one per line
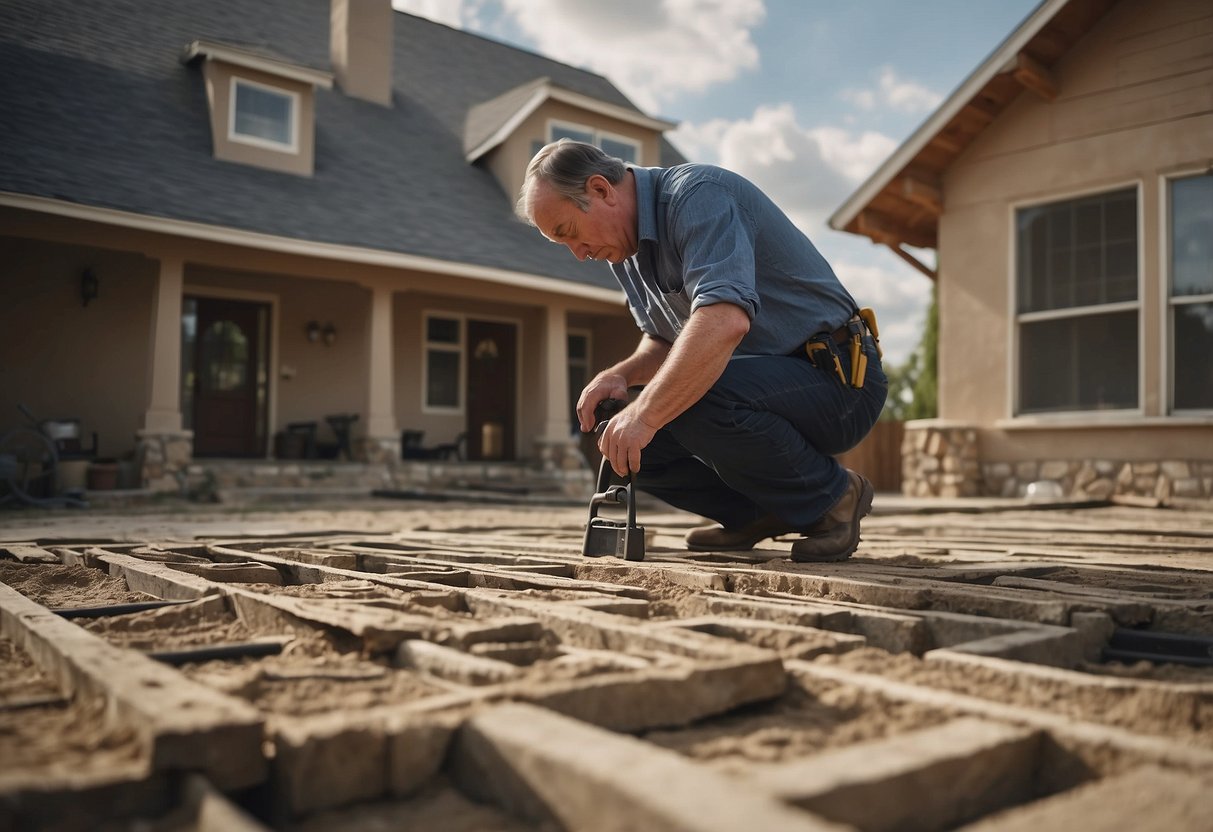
(492, 440)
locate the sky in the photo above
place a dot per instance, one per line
(806, 98)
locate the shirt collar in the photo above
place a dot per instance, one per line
(646, 202)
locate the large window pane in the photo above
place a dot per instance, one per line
(1081, 363)
(622, 150)
(442, 330)
(263, 114)
(1192, 236)
(1194, 356)
(1081, 252)
(442, 379)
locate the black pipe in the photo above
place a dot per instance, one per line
(211, 652)
(114, 609)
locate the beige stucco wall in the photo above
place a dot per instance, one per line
(509, 160)
(1135, 104)
(64, 360)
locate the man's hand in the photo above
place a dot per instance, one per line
(622, 440)
(604, 386)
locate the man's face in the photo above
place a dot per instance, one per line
(604, 232)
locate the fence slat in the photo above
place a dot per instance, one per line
(878, 456)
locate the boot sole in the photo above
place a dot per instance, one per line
(863, 507)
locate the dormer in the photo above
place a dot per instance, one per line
(262, 106)
(506, 131)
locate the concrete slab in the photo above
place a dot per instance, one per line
(535, 764)
(916, 782)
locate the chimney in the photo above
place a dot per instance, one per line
(362, 41)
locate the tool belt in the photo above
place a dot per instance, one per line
(823, 348)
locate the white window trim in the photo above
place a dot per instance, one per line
(256, 141)
(1166, 346)
(598, 135)
(460, 349)
(1017, 318)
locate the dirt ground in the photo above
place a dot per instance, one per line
(1118, 558)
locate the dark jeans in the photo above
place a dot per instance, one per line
(762, 440)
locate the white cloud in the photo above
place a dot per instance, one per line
(894, 93)
(654, 51)
(808, 171)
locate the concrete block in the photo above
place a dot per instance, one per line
(1144, 798)
(535, 764)
(1042, 644)
(924, 780)
(416, 750)
(787, 640)
(328, 761)
(184, 725)
(452, 665)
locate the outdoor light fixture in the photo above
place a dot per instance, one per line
(312, 330)
(89, 286)
(329, 334)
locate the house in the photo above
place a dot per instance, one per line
(224, 222)
(1067, 188)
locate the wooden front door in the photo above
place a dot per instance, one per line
(491, 403)
(228, 353)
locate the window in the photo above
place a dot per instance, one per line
(619, 146)
(579, 370)
(1191, 294)
(263, 115)
(443, 363)
(1078, 309)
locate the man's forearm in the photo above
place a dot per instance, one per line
(644, 362)
(693, 364)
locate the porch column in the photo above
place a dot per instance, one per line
(555, 446)
(163, 448)
(382, 440)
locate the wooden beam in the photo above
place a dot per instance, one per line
(1035, 76)
(924, 194)
(913, 261)
(883, 229)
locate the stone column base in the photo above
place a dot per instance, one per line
(563, 460)
(163, 458)
(377, 450)
(939, 459)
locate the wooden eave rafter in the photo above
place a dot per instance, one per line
(897, 205)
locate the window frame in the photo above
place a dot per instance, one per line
(598, 136)
(1167, 301)
(441, 346)
(257, 141)
(1018, 319)
(588, 361)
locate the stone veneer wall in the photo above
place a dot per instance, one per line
(940, 459)
(164, 459)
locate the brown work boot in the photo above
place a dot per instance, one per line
(836, 535)
(717, 538)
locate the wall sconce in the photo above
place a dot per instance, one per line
(89, 286)
(312, 330)
(329, 334)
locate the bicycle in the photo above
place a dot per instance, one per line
(29, 463)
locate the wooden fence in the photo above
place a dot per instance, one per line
(878, 456)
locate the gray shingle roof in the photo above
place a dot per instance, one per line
(96, 109)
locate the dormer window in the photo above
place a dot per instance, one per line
(262, 107)
(264, 116)
(611, 143)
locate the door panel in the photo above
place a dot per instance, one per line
(229, 378)
(491, 403)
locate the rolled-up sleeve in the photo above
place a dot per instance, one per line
(715, 241)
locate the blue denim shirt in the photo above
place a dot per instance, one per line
(707, 235)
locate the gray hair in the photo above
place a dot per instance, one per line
(565, 166)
